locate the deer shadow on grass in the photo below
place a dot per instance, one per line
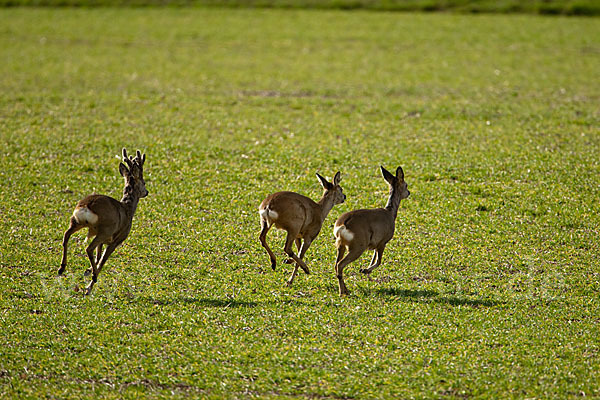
(413, 294)
(204, 302)
(431, 296)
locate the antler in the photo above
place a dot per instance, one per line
(140, 158)
(138, 161)
(127, 160)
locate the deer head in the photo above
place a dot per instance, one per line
(134, 174)
(332, 191)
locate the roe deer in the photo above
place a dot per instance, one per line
(360, 230)
(301, 217)
(106, 218)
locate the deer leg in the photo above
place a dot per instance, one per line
(98, 257)
(73, 227)
(109, 250)
(291, 278)
(90, 252)
(341, 249)
(307, 242)
(374, 258)
(353, 254)
(379, 254)
(98, 253)
(340, 254)
(298, 246)
(290, 252)
(263, 241)
(303, 249)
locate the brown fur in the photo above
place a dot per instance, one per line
(300, 217)
(114, 217)
(370, 229)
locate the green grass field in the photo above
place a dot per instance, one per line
(489, 289)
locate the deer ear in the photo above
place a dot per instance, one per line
(337, 178)
(324, 182)
(123, 170)
(400, 173)
(124, 153)
(387, 175)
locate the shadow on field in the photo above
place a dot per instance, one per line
(431, 296)
(456, 301)
(407, 292)
(205, 302)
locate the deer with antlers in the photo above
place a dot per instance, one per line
(107, 219)
(360, 230)
(300, 216)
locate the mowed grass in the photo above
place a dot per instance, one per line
(490, 287)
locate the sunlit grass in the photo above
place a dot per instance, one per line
(489, 288)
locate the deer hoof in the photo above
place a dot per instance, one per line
(88, 290)
(364, 271)
(273, 265)
(61, 270)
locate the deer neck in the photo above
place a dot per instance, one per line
(325, 204)
(393, 202)
(130, 200)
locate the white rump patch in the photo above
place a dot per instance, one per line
(268, 214)
(85, 216)
(343, 232)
